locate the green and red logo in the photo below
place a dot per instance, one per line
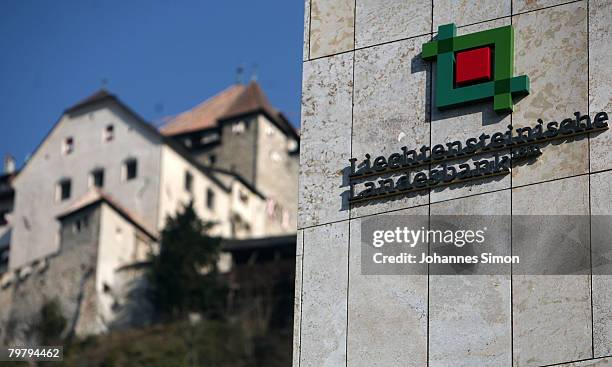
(474, 67)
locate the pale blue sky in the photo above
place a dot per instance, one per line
(159, 56)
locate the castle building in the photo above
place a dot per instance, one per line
(6, 207)
(238, 131)
(89, 204)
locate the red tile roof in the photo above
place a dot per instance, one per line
(205, 115)
(234, 101)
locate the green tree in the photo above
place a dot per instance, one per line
(51, 323)
(183, 275)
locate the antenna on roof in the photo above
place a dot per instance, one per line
(254, 73)
(104, 82)
(239, 74)
(9, 164)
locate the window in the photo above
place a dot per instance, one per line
(96, 178)
(269, 130)
(3, 220)
(68, 146)
(208, 137)
(4, 258)
(212, 159)
(109, 133)
(238, 127)
(63, 190)
(188, 181)
(210, 199)
(130, 169)
(80, 224)
(243, 196)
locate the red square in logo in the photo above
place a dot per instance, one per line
(473, 65)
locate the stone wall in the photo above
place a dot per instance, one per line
(367, 90)
(97, 278)
(68, 277)
(237, 150)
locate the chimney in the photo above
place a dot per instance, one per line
(9, 164)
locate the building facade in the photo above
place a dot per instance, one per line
(369, 88)
(7, 198)
(238, 131)
(86, 210)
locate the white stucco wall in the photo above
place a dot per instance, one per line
(173, 194)
(251, 210)
(117, 247)
(36, 208)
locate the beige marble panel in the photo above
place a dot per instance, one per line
(551, 48)
(387, 321)
(326, 140)
(601, 209)
(551, 313)
(465, 122)
(463, 12)
(332, 26)
(600, 78)
(324, 295)
(297, 300)
(306, 52)
(469, 320)
(520, 6)
(380, 21)
(390, 109)
(601, 362)
(552, 319)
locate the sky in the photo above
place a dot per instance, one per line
(160, 57)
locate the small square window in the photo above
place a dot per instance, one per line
(210, 199)
(97, 178)
(188, 181)
(68, 146)
(130, 169)
(109, 133)
(63, 190)
(4, 258)
(212, 159)
(243, 196)
(269, 130)
(80, 225)
(3, 220)
(238, 127)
